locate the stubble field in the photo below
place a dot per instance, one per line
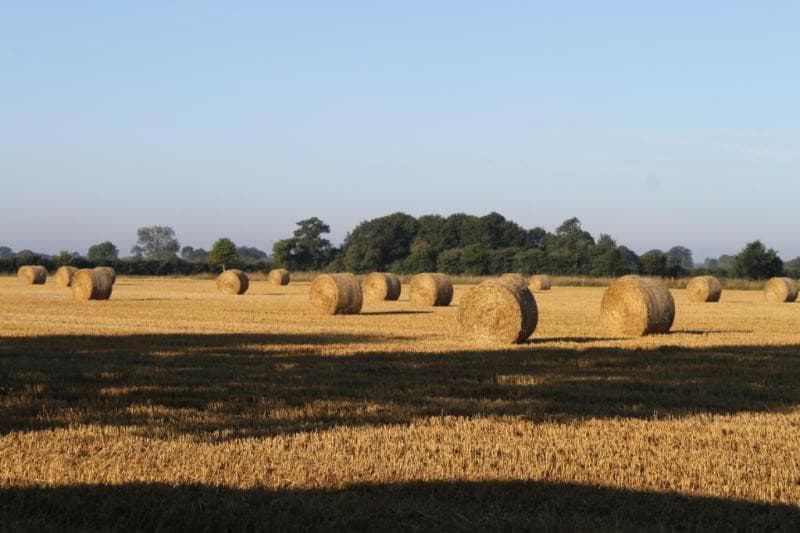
(173, 406)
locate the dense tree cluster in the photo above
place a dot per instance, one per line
(457, 244)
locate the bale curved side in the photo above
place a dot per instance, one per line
(91, 284)
(108, 271)
(233, 282)
(32, 274)
(540, 282)
(780, 290)
(381, 286)
(498, 311)
(279, 276)
(704, 289)
(63, 276)
(636, 306)
(431, 290)
(336, 294)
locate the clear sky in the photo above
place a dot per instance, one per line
(661, 123)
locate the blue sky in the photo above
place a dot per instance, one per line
(659, 123)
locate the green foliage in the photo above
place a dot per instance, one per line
(421, 259)
(194, 255)
(250, 253)
(306, 249)
(680, 256)
(530, 261)
(607, 259)
(449, 262)
(653, 263)
(64, 258)
(755, 261)
(570, 249)
(6, 252)
(792, 268)
(103, 253)
(223, 254)
(156, 242)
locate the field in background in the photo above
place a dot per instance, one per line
(175, 406)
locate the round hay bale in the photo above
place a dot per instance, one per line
(540, 282)
(279, 276)
(636, 306)
(515, 279)
(381, 286)
(336, 294)
(498, 311)
(431, 290)
(91, 284)
(32, 274)
(63, 275)
(109, 272)
(780, 290)
(233, 282)
(704, 289)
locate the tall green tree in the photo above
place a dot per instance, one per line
(755, 261)
(654, 263)
(103, 253)
(607, 258)
(156, 242)
(223, 254)
(375, 244)
(307, 249)
(570, 249)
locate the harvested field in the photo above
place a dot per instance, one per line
(174, 406)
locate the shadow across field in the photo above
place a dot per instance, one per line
(439, 506)
(236, 385)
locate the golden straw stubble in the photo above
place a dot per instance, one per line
(431, 290)
(540, 282)
(91, 284)
(279, 276)
(636, 306)
(704, 289)
(780, 290)
(381, 286)
(498, 311)
(233, 282)
(336, 294)
(32, 274)
(63, 276)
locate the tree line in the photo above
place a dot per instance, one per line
(458, 244)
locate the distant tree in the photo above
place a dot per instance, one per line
(64, 258)
(570, 249)
(156, 242)
(792, 268)
(102, 253)
(529, 261)
(653, 263)
(726, 262)
(375, 244)
(223, 254)
(536, 238)
(421, 259)
(607, 258)
(449, 261)
(755, 261)
(195, 255)
(630, 260)
(711, 263)
(6, 252)
(474, 259)
(680, 255)
(249, 253)
(307, 249)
